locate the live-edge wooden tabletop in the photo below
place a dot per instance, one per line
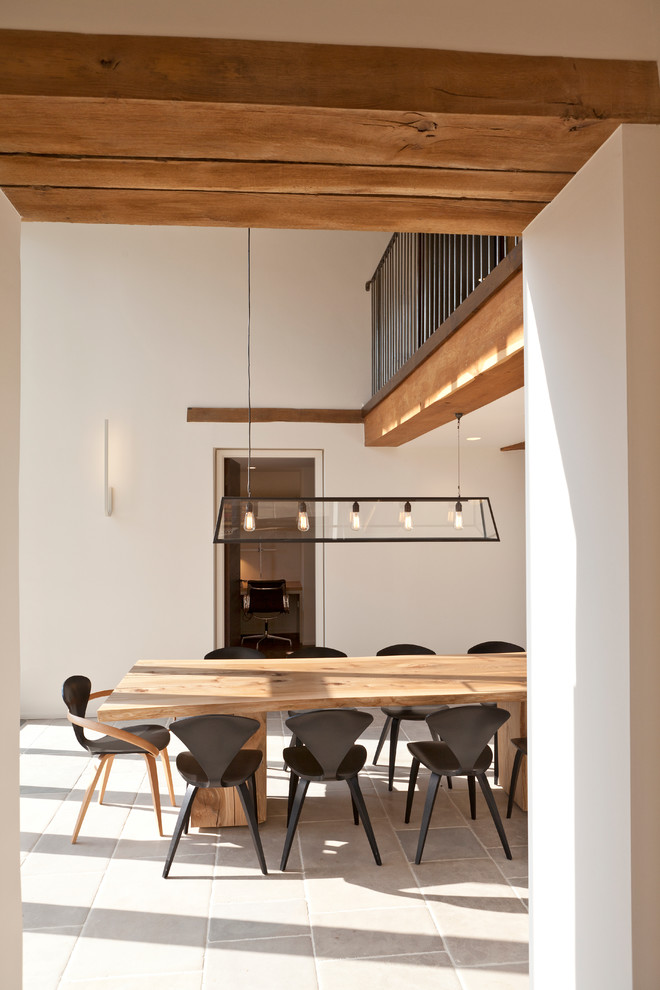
(161, 688)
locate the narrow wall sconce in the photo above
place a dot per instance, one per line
(107, 490)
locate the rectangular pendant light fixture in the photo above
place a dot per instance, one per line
(355, 520)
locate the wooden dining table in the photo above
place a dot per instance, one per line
(180, 688)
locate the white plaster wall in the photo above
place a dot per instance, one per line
(10, 329)
(578, 582)
(588, 28)
(134, 325)
(641, 161)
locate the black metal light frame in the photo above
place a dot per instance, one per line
(229, 528)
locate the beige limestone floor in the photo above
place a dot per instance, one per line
(98, 915)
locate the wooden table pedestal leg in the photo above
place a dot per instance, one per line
(516, 726)
(214, 808)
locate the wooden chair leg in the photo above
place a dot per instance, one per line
(104, 782)
(165, 759)
(153, 780)
(88, 797)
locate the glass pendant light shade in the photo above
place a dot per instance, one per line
(458, 516)
(332, 520)
(407, 517)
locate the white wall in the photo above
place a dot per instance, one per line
(135, 324)
(10, 330)
(588, 28)
(589, 308)
(641, 163)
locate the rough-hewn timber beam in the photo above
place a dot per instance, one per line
(480, 362)
(207, 414)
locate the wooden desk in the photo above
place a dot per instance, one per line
(165, 688)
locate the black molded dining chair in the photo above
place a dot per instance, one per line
(215, 758)
(464, 751)
(328, 752)
(307, 653)
(395, 714)
(521, 750)
(148, 740)
(235, 653)
(495, 646)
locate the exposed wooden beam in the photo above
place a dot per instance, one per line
(206, 414)
(277, 177)
(209, 70)
(141, 206)
(514, 446)
(480, 362)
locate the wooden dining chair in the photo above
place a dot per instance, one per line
(215, 757)
(328, 752)
(395, 714)
(464, 751)
(149, 740)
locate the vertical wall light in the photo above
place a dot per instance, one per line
(458, 513)
(107, 490)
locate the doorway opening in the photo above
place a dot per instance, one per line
(282, 473)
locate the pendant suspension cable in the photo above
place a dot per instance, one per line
(249, 378)
(458, 451)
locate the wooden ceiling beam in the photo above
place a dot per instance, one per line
(209, 70)
(142, 206)
(210, 414)
(480, 362)
(277, 177)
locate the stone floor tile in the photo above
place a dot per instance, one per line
(431, 971)
(380, 932)
(58, 901)
(45, 955)
(337, 847)
(285, 963)
(509, 977)
(173, 981)
(362, 887)
(267, 919)
(442, 843)
(516, 867)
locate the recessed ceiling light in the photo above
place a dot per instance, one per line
(473, 438)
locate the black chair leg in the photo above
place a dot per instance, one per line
(293, 781)
(472, 791)
(301, 790)
(449, 783)
(358, 800)
(431, 795)
(414, 770)
(514, 780)
(181, 823)
(492, 807)
(394, 738)
(356, 815)
(250, 809)
(496, 759)
(383, 737)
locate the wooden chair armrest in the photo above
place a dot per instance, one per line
(111, 730)
(100, 694)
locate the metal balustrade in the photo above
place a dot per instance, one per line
(419, 282)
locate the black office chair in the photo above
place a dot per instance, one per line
(328, 753)
(464, 752)
(266, 600)
(521, 750)
(149, 740)
(234, 653)
(215, 758)
(495, 646)
(397, 714)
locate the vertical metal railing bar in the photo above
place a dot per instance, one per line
(419, 282)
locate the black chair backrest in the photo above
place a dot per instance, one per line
(404, 649)
(315, 651)
(496, 646)
(467, 729)
(267, 596)
(329, 734)
(234, 653)
(214, 740)
(75, 693)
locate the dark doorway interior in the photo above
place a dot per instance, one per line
(290, 477)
